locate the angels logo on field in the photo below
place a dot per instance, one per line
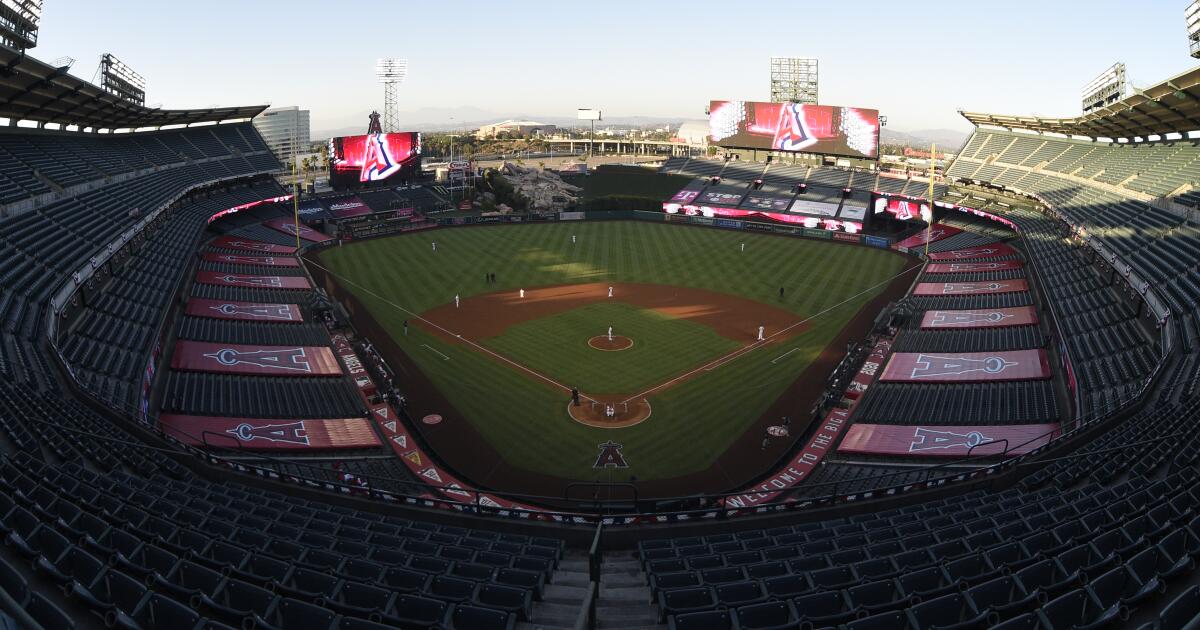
(967, 318)
(293, 359)
(928, 366)
(378, 162)
(258, 281)
(263, 311)
(610, 456)
(971, 287)
(928, 440)
(292, 432)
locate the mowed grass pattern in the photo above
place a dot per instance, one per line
(663, 347)
(524, 418)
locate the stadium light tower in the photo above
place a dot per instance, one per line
(391, 72)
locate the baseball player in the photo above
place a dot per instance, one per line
(760, 333)
(572, 239)
(455, 300)
(522, 294)
(434, 245)
(743, 247)
(609, 291)
(610, 334)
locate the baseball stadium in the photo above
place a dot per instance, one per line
(780, 368)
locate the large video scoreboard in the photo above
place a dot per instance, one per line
(361, 160)
(795, 127)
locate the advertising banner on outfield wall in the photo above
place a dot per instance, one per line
(729, 223)
(875, 241)
(260, 434)
(967, 367)
(571, 216)
(945, 441)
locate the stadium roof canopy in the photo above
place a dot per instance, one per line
(34, 90)
(1172, 106)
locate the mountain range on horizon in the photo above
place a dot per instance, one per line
(468, 118)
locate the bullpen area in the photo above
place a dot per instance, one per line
(678, 340)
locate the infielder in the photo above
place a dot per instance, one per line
(522, 294)
(760, 333)
(455, 300)
(609, 291)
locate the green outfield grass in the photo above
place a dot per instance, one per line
(524, 418)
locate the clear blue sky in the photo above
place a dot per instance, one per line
(917, 62)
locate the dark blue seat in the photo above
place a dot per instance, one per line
(685, 600)
(509, 599)
(240, 602)
(1183, 611)
(293, 614)
(737, 594)
(1077, 609)
(707, 620)
(1003, 597)
(774, 615)
(413, 610)
(953, 611)
(467, 617)
(821, 609)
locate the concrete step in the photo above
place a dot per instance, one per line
(625, 593)
(628, 624)
(570, 578)
(613, 610)
(555, 609)
(573, 565)
(622, 580)
(564, 594)
(551, 624)
(619, 566)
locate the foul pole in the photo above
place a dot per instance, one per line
(929, 223)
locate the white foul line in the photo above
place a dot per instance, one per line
(705, 367)
(444, 357)
(776, 359)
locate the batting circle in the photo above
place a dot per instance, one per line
(432, 419)
(584, 414)
(618, 343)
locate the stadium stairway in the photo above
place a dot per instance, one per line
(624, 600)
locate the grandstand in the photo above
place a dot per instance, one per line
(194, 434)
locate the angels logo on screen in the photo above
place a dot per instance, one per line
(291, 433)
(265, 311)
(950, 288)
(793, 133)
(967, 318)
(928, 440)
(930, 366)
(610, 456)
(293, 359)
(263, 281)
(378, 160)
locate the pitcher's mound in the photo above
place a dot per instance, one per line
(618, 342)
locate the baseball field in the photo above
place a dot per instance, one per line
(683, 378)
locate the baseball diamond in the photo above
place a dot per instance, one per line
(688, 301)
